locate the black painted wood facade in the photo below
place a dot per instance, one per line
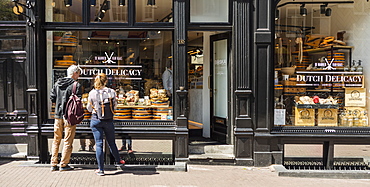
(252, 32)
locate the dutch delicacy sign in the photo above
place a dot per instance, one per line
(108, 65)
(326, 78)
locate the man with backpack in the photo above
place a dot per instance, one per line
(59, 95)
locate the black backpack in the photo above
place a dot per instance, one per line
(104, 106)
(74, 112)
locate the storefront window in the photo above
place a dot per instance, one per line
(154, 11)
(209, 11)
(108, 11)
(9, 12)
(133, 60)
(321, 64)
(63, 11)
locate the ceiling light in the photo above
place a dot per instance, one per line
(68, 3)
(277, 14)
(92, 2)
(303, 10)
(328, 12)
(150, 2)
(121, 3)
(323, 8)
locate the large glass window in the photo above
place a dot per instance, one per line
(321, 63)
(212, 11)
(133, 60)
(154, 11)
(63, 11)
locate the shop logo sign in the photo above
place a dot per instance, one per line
(109, 61)
(329, 65)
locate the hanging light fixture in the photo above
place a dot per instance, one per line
(328, 12)
(277, 14)
(68, 3)
(150, 2)
(323, 8)
(105, 6)
(303, 10)
(92, 2)
(121, 3)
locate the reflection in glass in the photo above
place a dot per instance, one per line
(154, 11)
(133, 60)
(8, 12)
(109, 11)
(220, 78)
(209, 11)
(63, 11)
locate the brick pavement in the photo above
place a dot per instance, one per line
(25, 173)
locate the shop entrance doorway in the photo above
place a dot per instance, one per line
(208, 85)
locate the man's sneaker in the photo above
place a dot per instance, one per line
(54, 168)
(121, 163)
(66, 168)
(99, 172)
(81, 148)
(130, 151)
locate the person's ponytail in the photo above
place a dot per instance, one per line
(100, 81)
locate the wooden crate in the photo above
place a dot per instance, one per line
(327, 117)
(355, 97)
(304, 117)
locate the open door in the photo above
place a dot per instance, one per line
(219, 86)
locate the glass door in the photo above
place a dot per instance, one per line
(219, 86)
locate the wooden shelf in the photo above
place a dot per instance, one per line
(65, 44)
(317, 50)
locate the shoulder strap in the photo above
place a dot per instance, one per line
(74, 89)
(110, 101)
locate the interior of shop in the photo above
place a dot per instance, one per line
(135, 62)
(321, 63)
(195, 72)
(109, 11)
(207, 82)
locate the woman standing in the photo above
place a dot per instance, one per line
(102, 101)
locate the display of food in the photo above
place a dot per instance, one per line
(315, 100)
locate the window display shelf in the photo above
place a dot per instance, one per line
(65, 44)
(317, 106)
(325, 49)
(141, 106)
(326, 90)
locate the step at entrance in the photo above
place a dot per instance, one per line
(211, 152)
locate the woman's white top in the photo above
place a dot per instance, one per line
(93, 99)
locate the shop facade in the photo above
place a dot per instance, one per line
(261, 82)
